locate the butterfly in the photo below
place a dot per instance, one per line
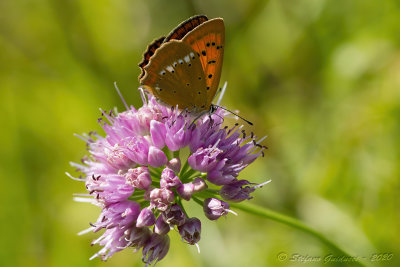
(184, 68)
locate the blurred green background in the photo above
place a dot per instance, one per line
(321, 78)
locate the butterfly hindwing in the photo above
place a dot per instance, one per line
(151, 49)
(176, 77)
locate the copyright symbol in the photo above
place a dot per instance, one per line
(282, 256)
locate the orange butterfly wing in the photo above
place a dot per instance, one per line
(208, 40)
(176, 34)
(175, 76)
(188, 87)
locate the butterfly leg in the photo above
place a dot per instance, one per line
(201, 114)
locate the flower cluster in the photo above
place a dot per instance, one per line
(151, 161)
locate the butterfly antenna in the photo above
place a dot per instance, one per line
(120, 95)
(249, 122)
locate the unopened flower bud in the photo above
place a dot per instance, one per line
(161, 227)
(190, 231)
(199, 184)
(169, 179)
(137, 237)
(185, 191)
(161, 198)
(174, 215)
(138, 177)
(215, 208)
(155, 249)
(239, 190)
(174, 164)
(146, 218)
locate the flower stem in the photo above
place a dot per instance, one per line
(275, 216)
(179, 201)
(198, 201)
(184, 169)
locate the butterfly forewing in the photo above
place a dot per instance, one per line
(188, 25)
(208, 40)
(176, 77)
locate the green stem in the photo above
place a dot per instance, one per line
(207, 194)
(275, 216)
(194, 175)
(198, 201)
(155, 173)
(183, 209)
(187, 174)
(175, 154)
(135, 198)
(184, 168)
(167, 152)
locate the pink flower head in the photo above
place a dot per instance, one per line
(152, 158)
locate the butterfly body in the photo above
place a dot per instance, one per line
(184, 68)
